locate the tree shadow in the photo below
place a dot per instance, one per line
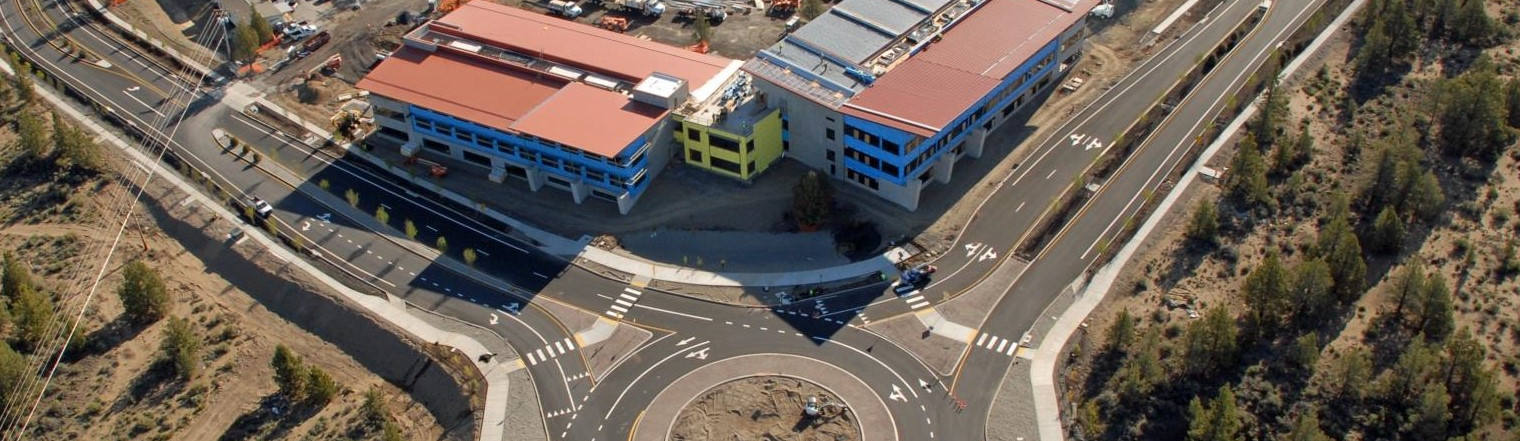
(108, 338)
(272, 419)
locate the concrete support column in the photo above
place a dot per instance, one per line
(535, 179)
(944, 167)
(412, 146)
(975, 142)
(579, 191)
(625, 203)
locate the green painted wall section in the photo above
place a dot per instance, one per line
(755, 153)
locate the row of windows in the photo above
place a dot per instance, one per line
(861, 178)
(448, 130)
(525, 154)
(719, 163)
(883, 166)
(719, 141)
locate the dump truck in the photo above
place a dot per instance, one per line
(565, 8)
(652, 8)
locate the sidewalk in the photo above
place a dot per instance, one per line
(1050, 350)
(391, 310)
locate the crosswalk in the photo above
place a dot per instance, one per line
(916, 300)
(622, 302)
(549, 352)
(997, 344)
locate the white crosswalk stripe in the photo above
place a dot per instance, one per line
(997, 344)
(550, 351)
(623, 302)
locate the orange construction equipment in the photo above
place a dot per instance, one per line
(782, 8)
(613, 23)
(700, 47)
(447, 6)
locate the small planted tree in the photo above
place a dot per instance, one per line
(411, 229)
(382, 216)
(469, 256)
(442, 245)
(812, 201)
(143, 294)
(320, 387)
(289, 373)
(324, 185)
(352, 196)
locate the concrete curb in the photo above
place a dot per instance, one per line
(661, 419)
(495, 373)
(1043, 367)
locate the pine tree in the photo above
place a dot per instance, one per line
(1388, 232)
(245, 44)
(1306, 427)
(1246, 184)
(1473, 387)
(1203, 227)
(1342, 251)
(1435, 319)
(1141, 370)
(1429, 417)
(1121, 334)
(320, 387)
(13, 369)
(1312, 289)
(1512, 100)
(181, 348)
(812, 201)
(1346, 378)
(1274, 110)
(1424, 197)
(33, 312)
(32, 136)
(260, 26)
(1471, 24)
(1408, 289)
(1474, 119)
(1218, 421)
(1265, 293)
(289, 373)
(1305, 352)
(16, 275)
(143, 294)
(1211, 343)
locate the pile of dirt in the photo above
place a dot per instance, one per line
(764, 408)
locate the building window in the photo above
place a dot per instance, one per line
(828, 133)
(596, 176)
(476, 158)
(387, 131)
(891, 147)
(425, 124)
(784, 125)
(832, 171)
(694, 156)
(724, 164)
(786, 146)
(693, 134)
(829, 155)
(752, 167)
(889, 169)
(722, 142)
(749, 146)
(435, 146)
(550, 162)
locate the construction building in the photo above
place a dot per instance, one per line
(560, 104)
(889, 94)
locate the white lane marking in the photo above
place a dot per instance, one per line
(569, 344)
(614, 314)
(700, 354)
(631, 298)
(897, 394)
(619, 308)
(559, 347)
(981, 339)
(1020, 207)
(1011, 349)
(631, 291)
(1003, 345)
(667, 311)
(625, 303)
(145, 105)
(540, 275)
(532, 361)
(540, 353)
(641, 375)
(1052, 173)
(684, 341)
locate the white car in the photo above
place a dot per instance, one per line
(262, 208)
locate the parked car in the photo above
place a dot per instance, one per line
(262, 208)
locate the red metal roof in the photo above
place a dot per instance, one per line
(590, 119)
(947, 77)
(451, 83)
(573, 43)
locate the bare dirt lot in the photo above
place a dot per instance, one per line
(763, 408)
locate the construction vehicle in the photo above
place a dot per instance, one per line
(613, 23)
(447, 6)
(782, 8)
(651, 8)
(435, 169)
(564, 8)
(315, 42)
(332, 64)
(714, 15)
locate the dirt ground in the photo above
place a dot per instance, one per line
(762, 408)
(152, 18)
(1485, 302)
(113, 385)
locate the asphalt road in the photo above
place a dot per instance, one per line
(512, 280)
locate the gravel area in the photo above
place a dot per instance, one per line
(763, 408)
